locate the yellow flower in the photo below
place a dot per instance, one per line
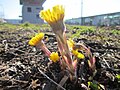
(54, 15)
(78, 54)
(54, 56)
(35, 40)
(75, 52)
(70, 43)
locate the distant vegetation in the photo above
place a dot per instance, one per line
(73, 30)
(77, 30)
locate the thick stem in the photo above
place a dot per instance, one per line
(64, 51)
(42, 46)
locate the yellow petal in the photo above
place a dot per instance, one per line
(35, 40)
(75, 52)
(80, 56)
(70, 43)
(54, 15)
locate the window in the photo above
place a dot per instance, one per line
(29, 9)
(37, 16)
(38, 8)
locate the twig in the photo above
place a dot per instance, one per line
(20, 81)
(50, 79)
(62, 82)
(104, 59)
(106, 63)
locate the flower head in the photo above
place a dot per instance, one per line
(54, 56)
(70, 43)
(75, 52)
(54, 17)
(78, 54)
(35, 40)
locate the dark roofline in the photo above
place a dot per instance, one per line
(22, 1)
(103, 14)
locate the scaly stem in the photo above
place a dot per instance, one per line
(64, 51)
(42, 46)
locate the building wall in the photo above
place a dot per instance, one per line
(73, 21)
(98, 20)
(33, 16)
(30, 11)
(104, 19)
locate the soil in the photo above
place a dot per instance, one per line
(22, 67)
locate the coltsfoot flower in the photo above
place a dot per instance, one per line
(38, 43)
(75, 52)
(78, 54)
(54, 17)
(70, 43)
(35, 40)
(54, 56)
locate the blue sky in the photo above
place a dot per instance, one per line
(11, 9)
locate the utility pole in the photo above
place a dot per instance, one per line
(81, 12)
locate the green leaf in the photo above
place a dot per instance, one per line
(118, 77)
(95, 86)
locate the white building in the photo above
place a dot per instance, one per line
(30, 11)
